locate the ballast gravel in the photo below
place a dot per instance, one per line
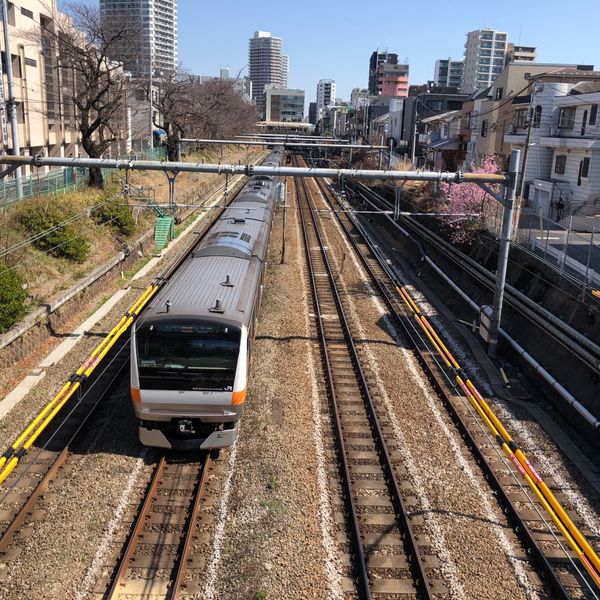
(276, 533)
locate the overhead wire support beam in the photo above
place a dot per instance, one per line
(488, 190)
(284, 143)
(238, 169)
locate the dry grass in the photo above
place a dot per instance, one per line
(46, 276)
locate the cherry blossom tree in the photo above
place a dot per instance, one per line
(469, 204)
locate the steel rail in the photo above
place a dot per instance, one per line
(401, 513)
(390, 299)
(179, 582)
(134, 537)
(364, 591)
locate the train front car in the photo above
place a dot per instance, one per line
(190, 349)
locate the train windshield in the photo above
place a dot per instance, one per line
(187, 355)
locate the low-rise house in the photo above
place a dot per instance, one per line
(558, 132)
(440, 139)
(509, 91)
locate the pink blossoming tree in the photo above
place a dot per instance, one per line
(469, 204)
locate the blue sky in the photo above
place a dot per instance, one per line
(333, 39)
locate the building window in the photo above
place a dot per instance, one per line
(584, 168)
(584, 122)
(560, 164)
(537, 116)
(499, 92)
(30, 62)
(26, 13)
(520, 119)
(566, 118)
(484, 128)
(593, 114)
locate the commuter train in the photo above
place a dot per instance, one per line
(190, 348)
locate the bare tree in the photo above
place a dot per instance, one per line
(173, 105)
(220, 112)
(90, 87)
(189, 108)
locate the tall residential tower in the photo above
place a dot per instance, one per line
(266, 65)
(448, 72)
(157, 23)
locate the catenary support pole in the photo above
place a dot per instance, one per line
(11, 104)
(513, 173)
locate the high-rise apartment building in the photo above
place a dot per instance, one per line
(266, 65)
(448, 72)
(157, 24)
(325, 93)
(285, 64)
(377, 59)
(485, 54)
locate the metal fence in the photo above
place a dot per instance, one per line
(573, 250)
(63, 180)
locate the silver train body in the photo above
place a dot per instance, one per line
(190, 348)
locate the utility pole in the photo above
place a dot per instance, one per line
(509, 199)
(12, 113)
(414, 135)
(537, 87)
(151, 143)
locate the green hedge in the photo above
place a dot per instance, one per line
(12, 297)
(117, 215)
(60, 241)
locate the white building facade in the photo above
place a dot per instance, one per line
(448, 72)
(325, 95)
(157, 20)
(563, 158)
(485, 55)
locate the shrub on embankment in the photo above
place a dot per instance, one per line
(12, 297)
(52, 231)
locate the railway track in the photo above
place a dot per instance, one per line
(386, 553)
(160, 555)
(556, 564)
(22, 495)
(575, 342)
(54, 454)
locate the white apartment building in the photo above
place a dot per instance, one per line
(325, 95)
(485, 55)
(285, 68)
(43, 116)
(448, 72)
(266, 65)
